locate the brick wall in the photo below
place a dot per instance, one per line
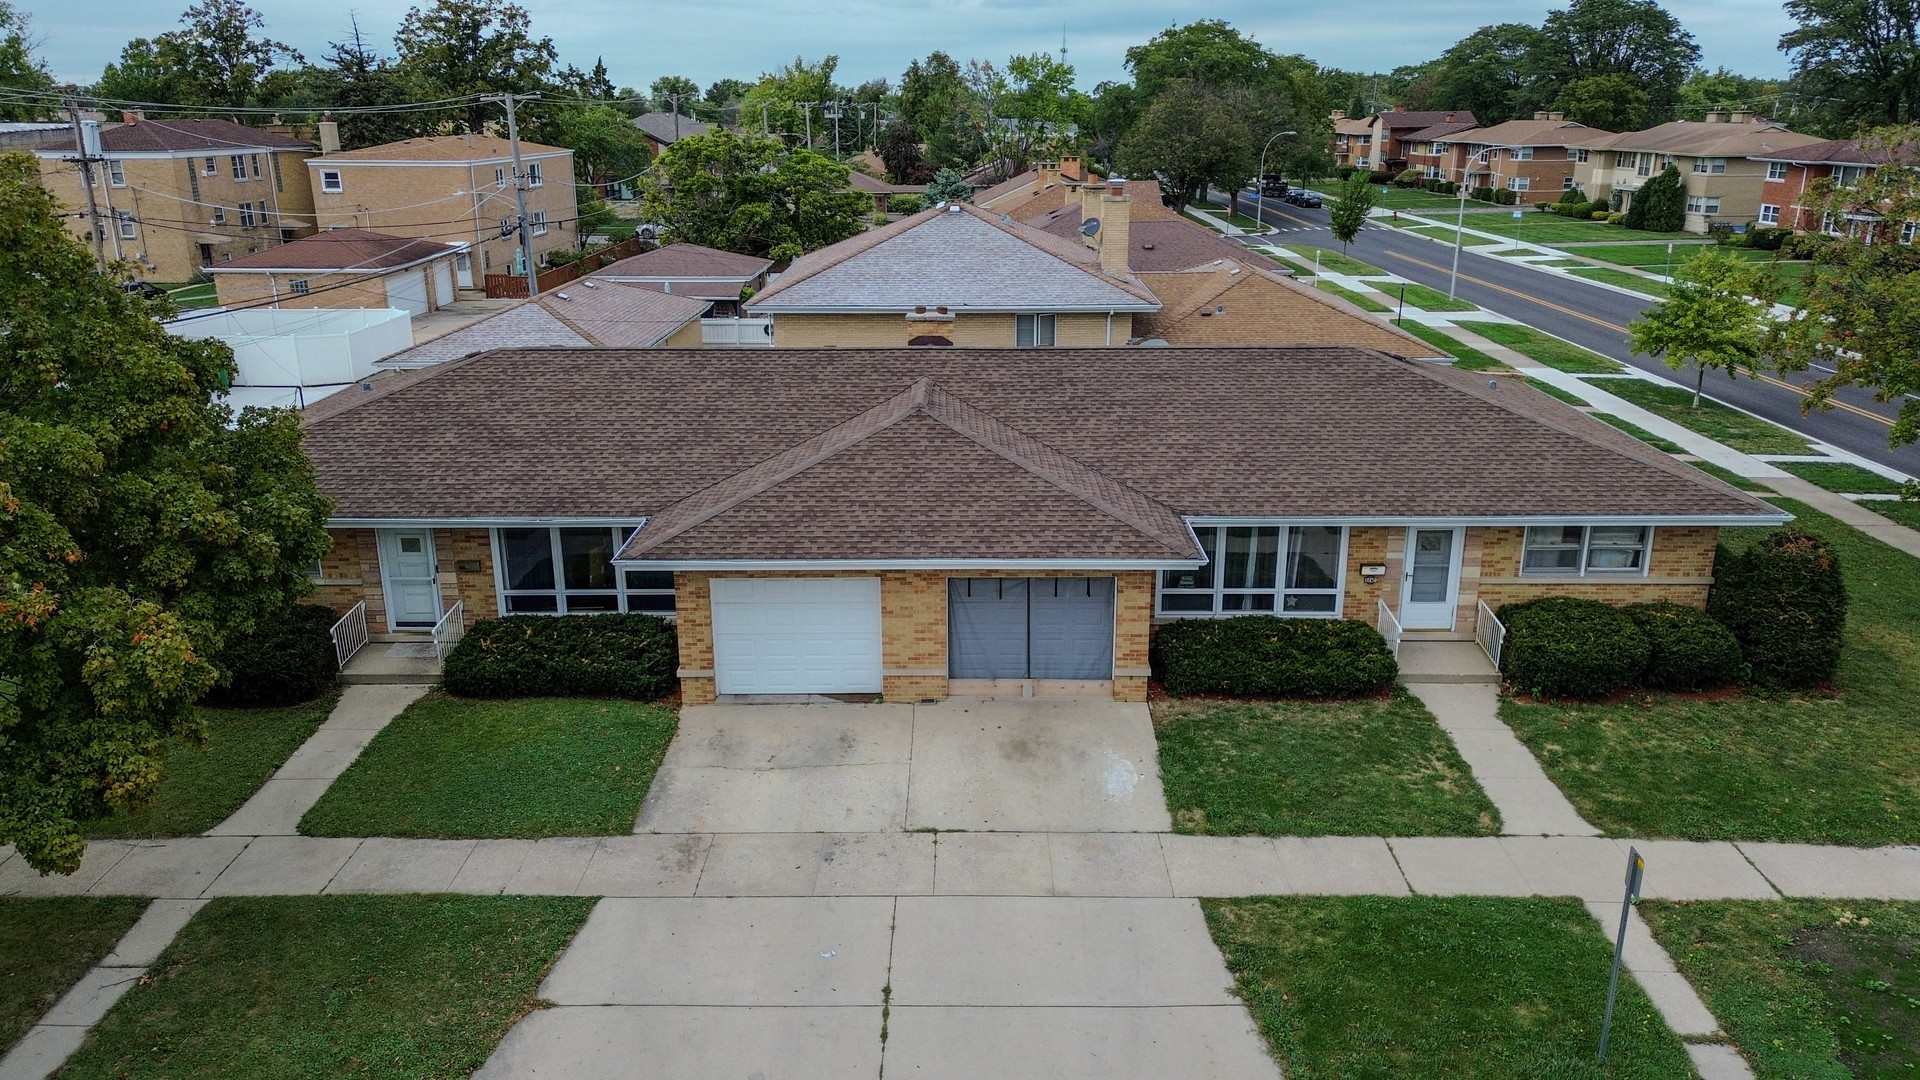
(1680, 570)
(986, 330)
(913, 630)
(422, 198)
(326, 290)
(350, 573)
(473, 587)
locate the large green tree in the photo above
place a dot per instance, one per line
(1032, 109)
(458, 48)
(1487, 73)
(1349, 215)
(1635, 38)
(225, 52)
(786, 103)
(19, 68)
(1208, 53)
(1858, 58)
(1710, 319)
(139, 529)
(353, 75)
(606, 147)
(1608, 102)
(1660, 204)
(1191, 137)
(753, 196)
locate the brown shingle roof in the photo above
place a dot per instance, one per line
(1694, 137)
(1304, 432)
(339, 249)
(1396, 121)
(680, 261)
(443, 148)
(1439, 132)
(874, 185)
(609, 314)
(1235, 303)
(1534, 133)
(1843, 152)
(661, 125)
(212, 136)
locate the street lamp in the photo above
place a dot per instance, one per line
(1460, 217)
(1260, 181)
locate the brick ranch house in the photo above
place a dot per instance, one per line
(923, 522)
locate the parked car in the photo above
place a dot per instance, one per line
(1273, 187)
(146, 289)
(1303, 197)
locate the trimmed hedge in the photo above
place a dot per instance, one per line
(1559, 646)
(285, 661)
(1785, 601)
(1268, 656)
(1691, 649)
(623, 656)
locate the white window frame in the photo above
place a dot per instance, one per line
(255, 159)
(1847, 176)
(1219, 589)
(1909, 231)
(623, 593)
(534, 177)
(1769, 214)
(538, 219)
(300, 286)
(1577, 154)
(1710, 165)
(125, 218)
(1029, 330)
(1643, 165)
(116, 172)
(239, 164)
(219, 215)
(332, 182)
(500, 177)
(211, 167)
(1520, 153)
(1586, 549)
(1566, 183)
(247, 220)
(1519, 183)
(1776, 171)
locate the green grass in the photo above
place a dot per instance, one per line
(1656, 290)
(1425, 988)
(1811, 990)
(1427, 299)
(46, 944)
(1448, 234)
(452, 767)
(1721, 423)
(1465, 356)
(1398, 198)
(1360, 768)
(1811, 768)
(1744, 483)
(1335, 261)
(202, 786)
(1900, 513)
(1552, 229)
(1841, 476)
(192, 296)
(1649, 256)
(1553, 391)
(1361, 300)
(1239, 220)
(334, 986)
(1642, 434)
(1544, 347)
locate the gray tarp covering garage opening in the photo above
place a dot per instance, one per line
(1030, 628)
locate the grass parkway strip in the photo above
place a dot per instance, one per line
(1742, 431)
(1466, 356)
(1544, 347)
(46, 944)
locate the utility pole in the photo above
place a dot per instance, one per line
(86, 185)
(808, 106)
(520, 186)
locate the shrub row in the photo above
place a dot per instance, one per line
(1562, 646)
(1268, 656)
(906, 203)
(623, 656)
(283, 662)
(1585, 211)
(1784, 599)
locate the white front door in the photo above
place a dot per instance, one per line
(796, 635)
(408, 577)
(1432, 580)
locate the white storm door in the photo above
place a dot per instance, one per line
(1432, 579)
(463, 269)
(408, 576)
(796, 635)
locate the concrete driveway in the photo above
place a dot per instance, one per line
(1034, 765)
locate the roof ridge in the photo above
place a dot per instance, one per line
(1117, 500)
(731, 491)
(1047, 243)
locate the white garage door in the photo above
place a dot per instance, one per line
(407, 291)
(442, 283)
(796, 635)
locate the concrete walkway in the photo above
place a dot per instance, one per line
(1529, 803)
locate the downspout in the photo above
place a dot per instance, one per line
(1109, 329)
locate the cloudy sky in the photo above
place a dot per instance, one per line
(741, 38)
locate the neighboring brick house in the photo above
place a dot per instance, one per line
(1785, 201)
(1394, 130)
(1719, 158)
(180, 195)
(1043, 175)
(343, 268)
(923, 522)
(1431, 150)
(710, 274)
(1535, 159)
(454, 189)
(1352, 140)
(882, 189)
(663, 129)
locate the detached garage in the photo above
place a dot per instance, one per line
(797, 635)
(342, 268)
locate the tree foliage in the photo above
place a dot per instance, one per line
(1710, 319)
(1612, 102)
(751, 195)
(138, 530)
(1190, 137)
(782, 99)
(673, 93)
(1860, 58)
(900, 151)
(1637, 39)
(1660, 204)
(1349, 215)
(1031, 108)
(948, 185)
(19, 68)
(606, 146)
(1486, 72)
(456, 48)
(217, 57)
(355, 75)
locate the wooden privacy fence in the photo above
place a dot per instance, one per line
(509, 285)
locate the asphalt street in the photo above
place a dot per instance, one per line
(1594, 317)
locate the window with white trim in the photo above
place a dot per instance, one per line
(569, 571)
(1566, 183)
(219, 215)
(1776, 171)
(1518, 183)
(330, 181)
(1034, 331)
(1576, 154)
(534, 177)
(1769, 214)
(247, 220)
(500, 177)
(300, 286)
(1520, 153)
(256, 165)
(1703, 204)
(1578, 550)
(210, 167)
(1710, 165)
(1909, 231)
(539, 221)
(126, 223)
(1644, 165)
(1252, 569)
(1847, 176)
(116, 173)
(238, 162)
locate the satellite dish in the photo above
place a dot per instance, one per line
(1090, 226)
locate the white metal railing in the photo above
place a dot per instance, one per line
(1389, 628)
(350, 633)
(1491, 633)
(449, 630)
(737, 332)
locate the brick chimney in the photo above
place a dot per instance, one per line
(1337, 114)
(132, 116)
(1715, 116)
(1448, 120)
(1540, 116)
(329, 136)
(1049, 173)
(1110, 205)
(1741, 116)
(1556, 116)
(1399, 108)
(1071, 168)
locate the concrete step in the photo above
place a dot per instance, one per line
(1448, 662)
(391, 663)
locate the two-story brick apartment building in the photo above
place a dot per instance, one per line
(1352, 139)
(1791, 174)
(1393, 132)
(178, 195)
(1719, 158)
(453, 189)
(1535, 159)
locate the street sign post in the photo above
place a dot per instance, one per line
(1636, 869)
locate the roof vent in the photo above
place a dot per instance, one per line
(1220, 309)
(563, 296)
(1006, 219)
(1206, 313)
(953, 208)
(1146, 247)
(588, 285)
(1493, 384)
(1233, 271)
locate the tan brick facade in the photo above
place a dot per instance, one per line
(1680, 570)
(913, 629)
(350, 573)
(328, 289)
(993, 330)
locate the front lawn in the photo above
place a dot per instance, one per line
(1842, 476)
(1544, 347)
(334, 986)
(1460, 988)
(1399, 198)
(1450, 235)
(1813, 768)
(1295, 768)
(1553, 391)
(1358, 299)
(1721, 423)
(1652, 256)
(1666, 446)
(1553, 229)
(1329, 259)
(1426, 299)
(1900, 513)
(1809, 989)
(1465, 356)
(461, 767)
(1656, 290)
(203, 786)
(46, 944)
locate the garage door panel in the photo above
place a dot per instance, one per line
(1072, 622)
(796, 635)
(407, 291)
(987, 628)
